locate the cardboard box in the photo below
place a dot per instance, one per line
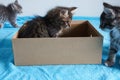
(81, 45)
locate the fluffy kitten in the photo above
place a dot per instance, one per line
(9, 13)
(110, 19)
(51, 25)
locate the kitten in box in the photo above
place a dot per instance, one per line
(110, 19)
(10, 13)
(51, 25)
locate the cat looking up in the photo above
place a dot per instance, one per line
(51, 25)
(9, 13)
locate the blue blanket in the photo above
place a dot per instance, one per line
(8, 71)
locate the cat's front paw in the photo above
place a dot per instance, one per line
(17, 26)
(0, 25)
(109, 63)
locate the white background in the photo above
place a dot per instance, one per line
(85, 7)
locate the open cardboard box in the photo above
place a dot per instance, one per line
(81, 45)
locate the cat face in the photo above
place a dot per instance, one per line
(16, 7)
(109, 16)
(66, 14)
(61, 14)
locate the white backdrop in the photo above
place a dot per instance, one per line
(40, 7)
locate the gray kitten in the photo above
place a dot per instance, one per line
(10, 13)
(51, 25)
(111, 20)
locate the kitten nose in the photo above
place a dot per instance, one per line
(68, 25)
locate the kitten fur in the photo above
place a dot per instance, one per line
(111, 20)
(9, 13)
(51, 25)
(109, 15)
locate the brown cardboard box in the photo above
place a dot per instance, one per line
(81, 45)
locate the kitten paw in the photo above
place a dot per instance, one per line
(17, 26)
(0, 26)
(109, 63)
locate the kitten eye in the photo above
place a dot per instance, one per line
(110, 16)
(109, 13)
(64, 13)
(18, 6)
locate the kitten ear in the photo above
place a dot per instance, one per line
(16, 1)
(107, 5)
(72, 9)
(107, 8)
(14, 7)
(108, 11)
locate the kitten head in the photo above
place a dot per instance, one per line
(109, 16)
(62, 14)
(15, 7)
(66, 13)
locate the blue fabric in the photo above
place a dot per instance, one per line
(8, 71)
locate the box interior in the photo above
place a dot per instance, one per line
(81, 29)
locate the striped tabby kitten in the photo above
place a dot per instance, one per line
(111, 20)
(51, 25)
(9, 13)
